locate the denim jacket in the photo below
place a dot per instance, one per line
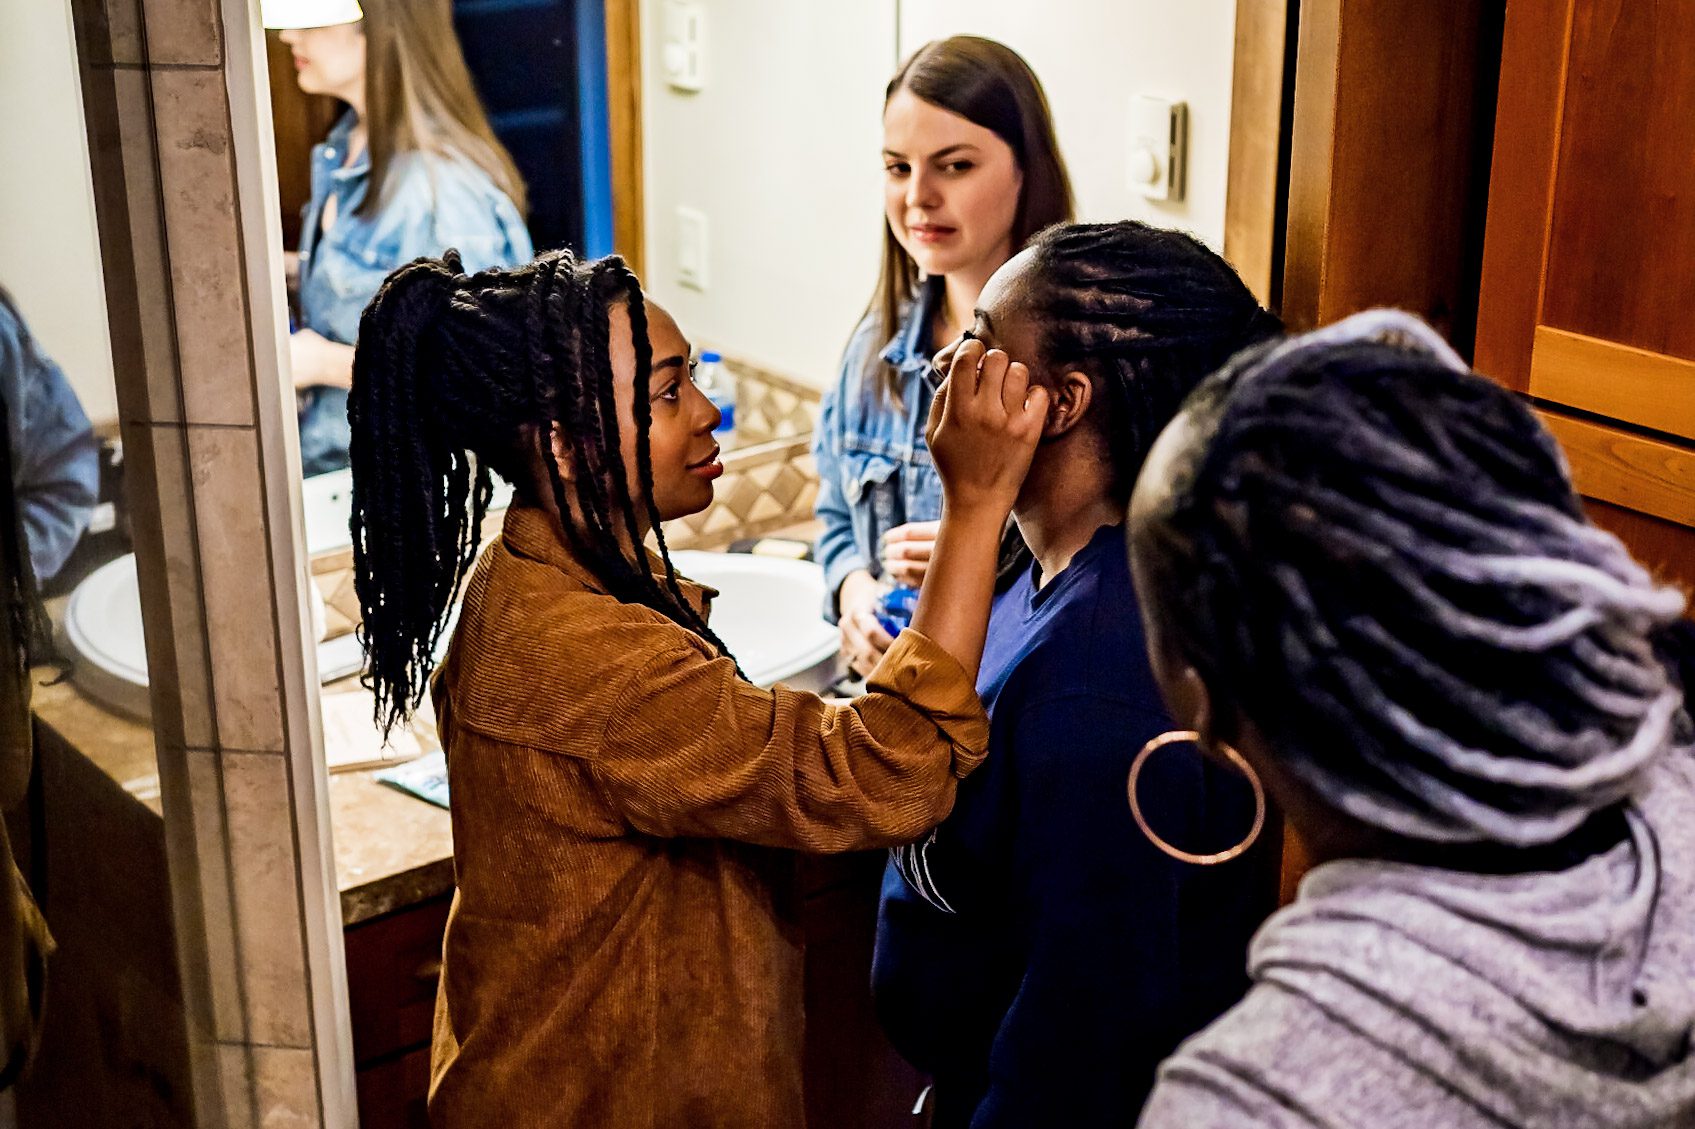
(874, 469)
(430, 203)
(55, 456)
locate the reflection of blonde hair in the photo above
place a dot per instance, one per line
(419, 96)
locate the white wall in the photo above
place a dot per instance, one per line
(1092, 56)
(780, 151)
(49, 248)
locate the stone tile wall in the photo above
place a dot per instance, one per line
(178, 118)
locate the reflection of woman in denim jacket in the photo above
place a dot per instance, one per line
(973, 172)
(55, 457)
(411, 169)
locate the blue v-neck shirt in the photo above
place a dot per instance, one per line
(1036, 954)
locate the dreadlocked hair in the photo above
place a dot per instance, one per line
(1147, 314)
(457, 376)
(1379, 558)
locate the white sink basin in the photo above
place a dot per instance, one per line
(103, 615)
(767, 612)
(103, 633)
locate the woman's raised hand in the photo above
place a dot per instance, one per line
(983, 431)
(984, 426)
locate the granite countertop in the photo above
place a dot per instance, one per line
(392, 850)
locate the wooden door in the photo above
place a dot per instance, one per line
(1588, 292)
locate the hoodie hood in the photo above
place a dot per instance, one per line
(1544, 1000)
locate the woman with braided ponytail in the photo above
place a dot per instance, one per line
(1091, 955)
(623, 949)
(1371, 583)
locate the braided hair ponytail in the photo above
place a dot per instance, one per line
(456, 376)
(1379, 558)
(1146, 312)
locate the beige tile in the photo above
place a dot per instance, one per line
(217, 933)
(268, 1088)
(108, 31)
(133, 243)
(106, 159)
(208, 286)
(265, 881)
(183, 32)
(240, 606)
(157, 481)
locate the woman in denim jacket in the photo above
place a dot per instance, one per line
(410, 170)
(973, 171)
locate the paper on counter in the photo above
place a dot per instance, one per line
(352, 739)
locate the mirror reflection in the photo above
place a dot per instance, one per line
(617, 450)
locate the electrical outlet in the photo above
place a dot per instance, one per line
(691, 248)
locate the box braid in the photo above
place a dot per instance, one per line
(457, 376)
(1148, 314)
(1379, 556)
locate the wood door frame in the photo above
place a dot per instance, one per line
(1261, 107)
(1389, 147)
(624, 124)
(1521, 187)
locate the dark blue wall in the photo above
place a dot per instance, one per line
(540, 66)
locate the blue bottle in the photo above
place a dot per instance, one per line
(720, 388)
(895, 610)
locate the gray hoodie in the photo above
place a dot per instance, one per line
(1402, 997)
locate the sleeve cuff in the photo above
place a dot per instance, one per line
(836, 570)
(919, 671)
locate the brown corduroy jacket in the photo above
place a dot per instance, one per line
(623, 949)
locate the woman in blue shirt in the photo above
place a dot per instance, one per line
(973, 171)
(1037, 954)
(411, 169)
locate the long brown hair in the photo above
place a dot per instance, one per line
(419, 96)
(988, 84)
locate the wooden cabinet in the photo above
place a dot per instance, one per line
(1587, 300)
(393, 967)
(854, 1079)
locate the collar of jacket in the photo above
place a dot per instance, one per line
(530, 532)
(908, 351)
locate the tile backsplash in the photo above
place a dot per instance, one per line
(770, 479)
(770, 483)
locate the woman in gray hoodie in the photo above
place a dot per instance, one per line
(1367, 573)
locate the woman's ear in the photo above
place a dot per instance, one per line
(561, 451)
(1068, 404)
(1196, 707)
(1191, 703)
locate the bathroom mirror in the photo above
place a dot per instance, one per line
(225, 951)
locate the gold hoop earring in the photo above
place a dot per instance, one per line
(1236, 759)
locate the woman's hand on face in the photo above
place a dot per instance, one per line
(863, 639)
(906, 552)
(984, 426)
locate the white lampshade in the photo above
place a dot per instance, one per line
(282, 15)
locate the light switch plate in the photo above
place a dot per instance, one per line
(1159, 138)
(691, 248)
(682, 49)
